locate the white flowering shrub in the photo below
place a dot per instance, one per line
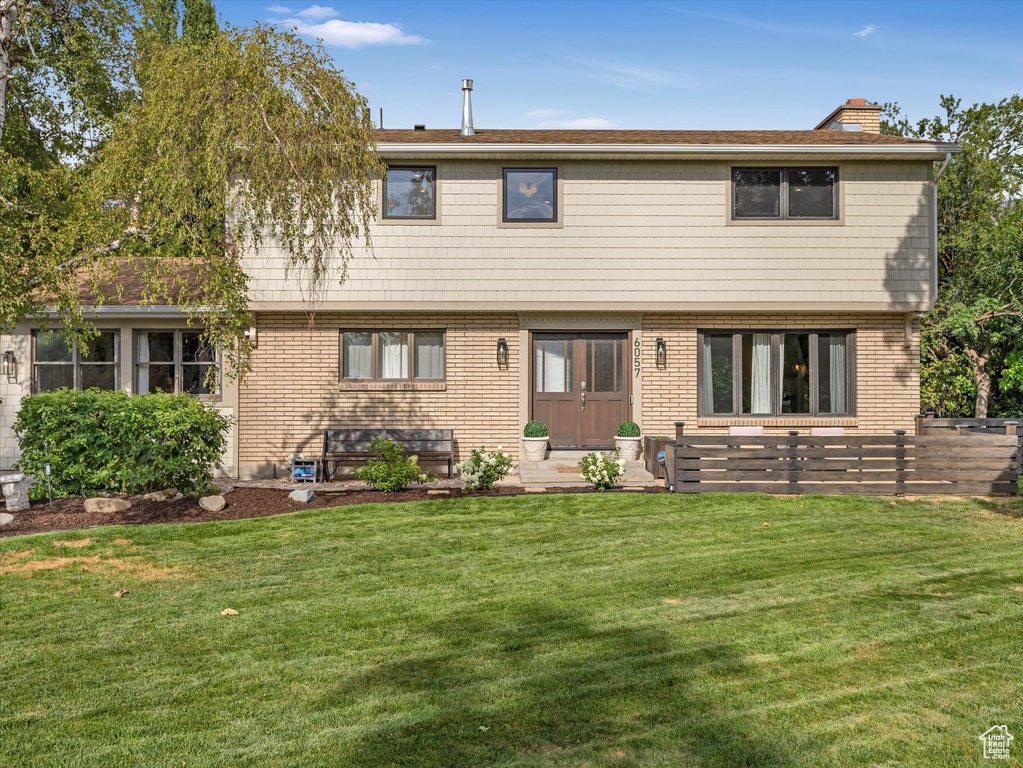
(602, 470)
(483, 468)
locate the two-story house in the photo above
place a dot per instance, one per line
(585, 278)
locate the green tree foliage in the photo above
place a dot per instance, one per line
(190, 20)
(134, 142)
(976, 328)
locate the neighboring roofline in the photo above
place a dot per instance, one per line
(933, 150)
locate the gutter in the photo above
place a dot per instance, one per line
(132, 310)
(511, 150)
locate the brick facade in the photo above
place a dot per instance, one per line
(887, 371)
(293, 392)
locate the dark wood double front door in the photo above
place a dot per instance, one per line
(580, 387)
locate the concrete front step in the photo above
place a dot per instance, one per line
(546, 472)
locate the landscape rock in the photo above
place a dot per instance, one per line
(304, 495)
(155, 496)
(5, 519)
(169, 493)
(223, 490)
(15, 489)
(106, 505)
(212, 503)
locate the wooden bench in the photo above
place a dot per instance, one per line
(353, 446)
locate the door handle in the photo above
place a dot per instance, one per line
(583, 399)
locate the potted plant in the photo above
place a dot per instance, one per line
(534, 441)
(627, 441)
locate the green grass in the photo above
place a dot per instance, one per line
(536, 631)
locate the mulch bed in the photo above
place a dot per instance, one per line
(68, 514)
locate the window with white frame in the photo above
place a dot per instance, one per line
(174, 361)
(56, 364)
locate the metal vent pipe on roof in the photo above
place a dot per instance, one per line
(467, 129)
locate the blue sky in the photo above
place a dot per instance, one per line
(725, 65)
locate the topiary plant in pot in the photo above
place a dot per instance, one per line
(534, 441)
(627, 441)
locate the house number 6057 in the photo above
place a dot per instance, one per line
(637, 357)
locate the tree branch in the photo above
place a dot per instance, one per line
(1003, 312)
(132, 233)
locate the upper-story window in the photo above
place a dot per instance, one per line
(784, 193)
(530, 194)
(410, 192)
(56, 365)
(765, 373)
(173, 361)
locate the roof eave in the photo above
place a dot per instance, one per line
(934, 151)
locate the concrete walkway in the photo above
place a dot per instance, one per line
(561, 468)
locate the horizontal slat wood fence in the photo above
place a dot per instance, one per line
(884, 465)
(927, 424)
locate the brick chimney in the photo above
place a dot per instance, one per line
(854, 115)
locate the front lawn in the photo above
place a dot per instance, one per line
(547, 630)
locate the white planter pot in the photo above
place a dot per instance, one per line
(629, 447)
(534, 448)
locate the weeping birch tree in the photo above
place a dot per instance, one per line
(187, 150)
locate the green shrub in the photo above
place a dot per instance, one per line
(483, 468)
(390, 469)
(602, 470)
(113, 442)
(628, 429)
(535, 429)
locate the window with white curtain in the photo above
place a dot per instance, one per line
(392, 355)
(775, 373)
(174, 361)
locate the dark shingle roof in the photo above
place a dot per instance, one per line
(798, 138)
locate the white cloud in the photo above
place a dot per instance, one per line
(279, 9)
(352, 34)
(580, 123)
(317, 13)
(869, 29)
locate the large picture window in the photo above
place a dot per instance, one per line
(784, 193)
(173, 361)
(392, 355)
(56, 365)
(776, 373)
(410, 192)
(530, 194)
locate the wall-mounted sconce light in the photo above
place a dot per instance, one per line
(502, 352)
(662, 353)
(10, 366)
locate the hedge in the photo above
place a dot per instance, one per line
(113, 442)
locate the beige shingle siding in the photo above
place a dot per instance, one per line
(642, 234)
